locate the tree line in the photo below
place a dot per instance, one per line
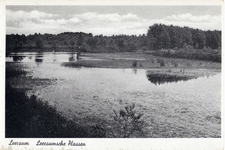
(69, 41)
(158, 37)
(163, 37)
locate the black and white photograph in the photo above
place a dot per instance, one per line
(112, 72)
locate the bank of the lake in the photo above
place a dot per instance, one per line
(138, 60)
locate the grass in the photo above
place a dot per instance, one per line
(137, 60)
(206, 54)
(109, 64)
(161, 62)
(77, 64)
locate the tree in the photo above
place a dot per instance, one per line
(72, 43)
(80, 40)
(92, 42)
(158, 37)
(201, 39)
(120, 43)
(39, 43)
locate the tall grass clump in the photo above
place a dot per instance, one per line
(12, 72)
(77, 64)
(161, 61)
(174, 63)
(188, 64)
(134, 63)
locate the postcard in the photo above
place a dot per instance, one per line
(123, 75)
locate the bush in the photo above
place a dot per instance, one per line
(128, 123)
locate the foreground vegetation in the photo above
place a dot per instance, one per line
(32, 117)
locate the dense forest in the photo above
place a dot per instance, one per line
(68, 41)
(162, 36)
(158, 39)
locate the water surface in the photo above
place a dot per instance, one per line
(96, 92)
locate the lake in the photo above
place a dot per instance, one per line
(185, 108)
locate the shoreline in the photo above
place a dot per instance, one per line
(138, 61)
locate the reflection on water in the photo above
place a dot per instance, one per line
(158, 79)
(18, 58)
(40, 57)
(72, 57)
(135, 71)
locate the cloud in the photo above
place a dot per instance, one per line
(74, 20)
(22, 22)
(113, 17)
(190, 18)
(23, 15)
(107, 24)
(204, 22)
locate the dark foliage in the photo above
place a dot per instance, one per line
(127, 123)
(13, 72)
(31, 117)
(69, 41)
(166, 78)
(190, 53)
(163, 37)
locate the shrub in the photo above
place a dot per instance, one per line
(128, 123)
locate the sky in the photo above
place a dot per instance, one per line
(107, 20)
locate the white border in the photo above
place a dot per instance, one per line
(104, 144)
